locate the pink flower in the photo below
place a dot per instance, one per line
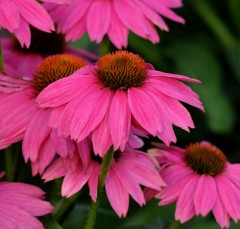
(20, 203)
(129, 169)
(17, 15)
(200, 180)
(118, 93)
(21, 119)
(114, 18)
(20, 61)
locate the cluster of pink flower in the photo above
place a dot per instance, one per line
(70, 108)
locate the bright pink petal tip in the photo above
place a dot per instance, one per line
(114, 19)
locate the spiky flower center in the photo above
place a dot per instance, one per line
(122, 70)
(205, 159)
(54, 68)
(43, 43)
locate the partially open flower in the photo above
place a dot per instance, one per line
(118, 92)
(200, 180)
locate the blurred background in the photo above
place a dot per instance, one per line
(207, 47)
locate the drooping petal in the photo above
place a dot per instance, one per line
(185, 208)
(119, 120)
(117, 194)
(141, 105)
(205, 195)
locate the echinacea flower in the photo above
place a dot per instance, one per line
(22, 119)
(17, 15)
(20, 203)
(114, 18)
(200, 180)
(129, 169)
(22, 61)
(118, 92)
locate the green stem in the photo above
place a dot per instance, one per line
(104, 47)
(106, 163)
(9, 163)
(64, 206)
(1, 55)
(174, 225)
(209, 16)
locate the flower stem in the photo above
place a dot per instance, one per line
(217, 26)
(174, 225)
(106, 163)
(104, 47)
(9, 163)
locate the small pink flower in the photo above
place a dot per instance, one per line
(114, 18)
(119, 93)
(17, 15)
(129, 169)
(200, 180)
(20, 203)
(20, 61)
(21, 119)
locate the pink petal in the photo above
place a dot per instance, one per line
(141, 104)
(101, 137)
(185, 208)
(98, 19)
(229, 194)
(93, 180)
(117, 194)
(95, 101)
(220, 213)
(9, 19)
(119, 120)
(56, 170)
(205, 195)
(141, 168)
(63, 90)
(117, 32)
(35, 134)
(170, 75)
(73, 182)
(35, 15)
(176, 89)
(130, 184)
(171, 193)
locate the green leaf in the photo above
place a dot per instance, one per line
(49, 222)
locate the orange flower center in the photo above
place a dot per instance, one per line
(204, 159)
(54, 68)
(122, 70)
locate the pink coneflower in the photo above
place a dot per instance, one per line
(119, 91)
(20, 61)
(129, 169)
(21, 119)
(20, 203)
(200, 180)
(17, 15)
(114, 18)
